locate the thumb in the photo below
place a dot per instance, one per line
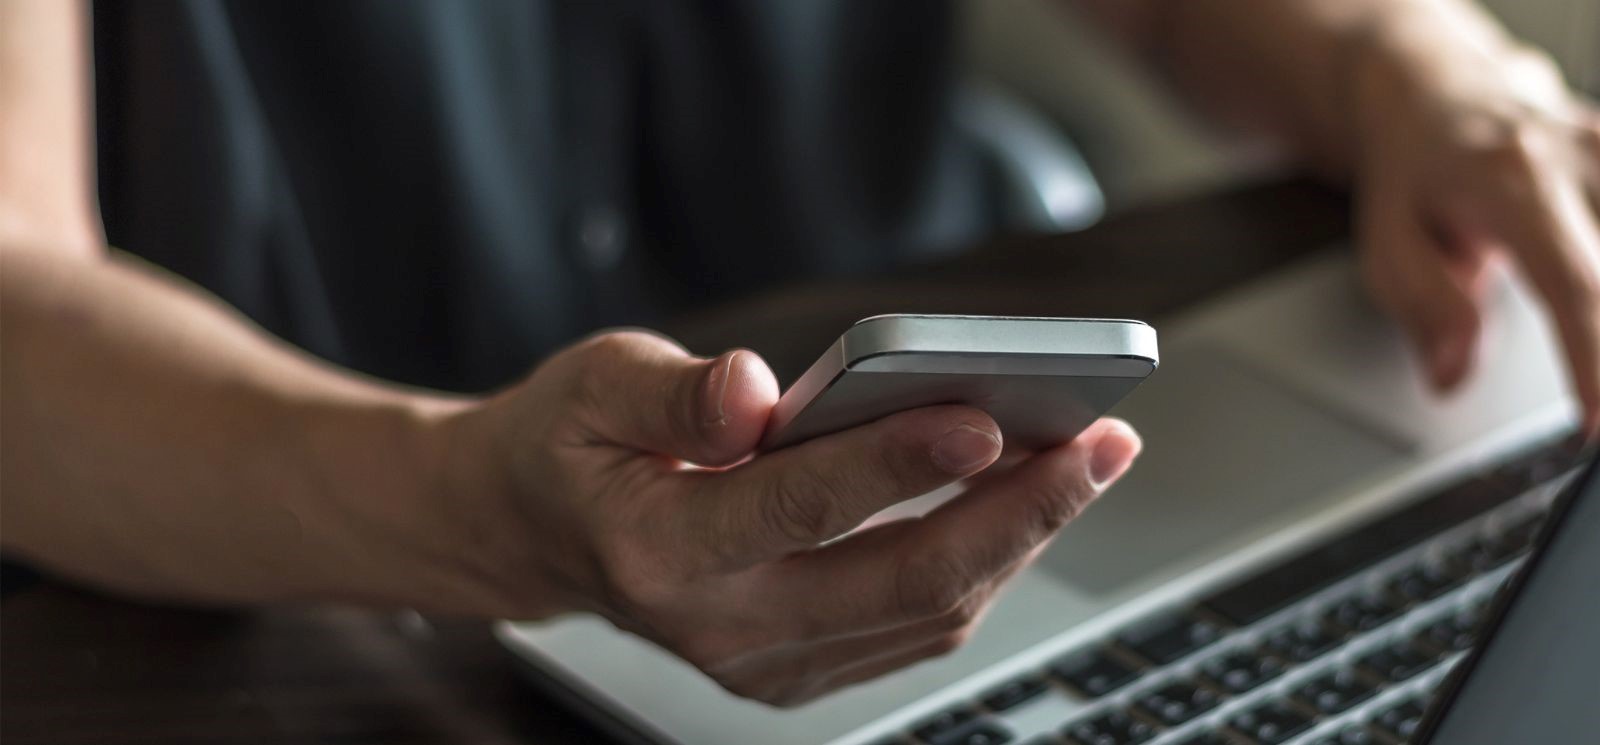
(645, 392)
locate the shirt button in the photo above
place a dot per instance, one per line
(601, 233)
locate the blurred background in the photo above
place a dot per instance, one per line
(1136, 138)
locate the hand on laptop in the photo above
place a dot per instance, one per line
(591, 506)
(1470, 153)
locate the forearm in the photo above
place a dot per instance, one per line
(154, 442)
(46, 170)
(1312, 72)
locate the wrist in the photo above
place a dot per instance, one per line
(1424, 62)
(390, 520)
(489, 534)
(1379, 86)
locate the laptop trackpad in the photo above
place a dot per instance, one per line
(1226, 450)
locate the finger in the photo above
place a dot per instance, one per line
(1009, 459)
(859, 657)
(1589, 155)
(931, 568)
(799, 497)
(1589, 150)
(1556, 241)
(1430, 291)
(642, 391)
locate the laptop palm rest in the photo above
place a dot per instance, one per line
(1243, 451)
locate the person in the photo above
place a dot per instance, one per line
(356, 217)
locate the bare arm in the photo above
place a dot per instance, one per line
(45, 166)
(1293, 68)
(153, 440)
(1464, 147)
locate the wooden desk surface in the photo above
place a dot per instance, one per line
(77, 667)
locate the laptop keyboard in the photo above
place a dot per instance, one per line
(1340, 645)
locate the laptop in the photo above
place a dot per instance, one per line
(1307, 547)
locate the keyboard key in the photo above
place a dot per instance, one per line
(1363, 611)
(1455, 632)
(1266, 592)
(1112, 728)
(1015, 693)
(982, 732)
(1398, 661)
(1093, 672)
(1426, 582)
(1335, 692)
(1241, 670)
(1356, 735)
(1044, 739)
(1519, 534)
(1206, 738)
(1178, 702)
(1168, 638)
(1271, 723)
(1481, 554)
(1400, 721)
(1500, 550)
(944, 724)
(1303, 640)
(1541, 465)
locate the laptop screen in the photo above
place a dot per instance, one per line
(1536, 676)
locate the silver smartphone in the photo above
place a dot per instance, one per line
(1042, 379)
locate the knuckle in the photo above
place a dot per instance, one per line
(612, 350)
(929, 584)
(1536, 63)
(587, 391)
(602, 349)
(896, 453)
(1051, 505)
(1051, 509)
(597, 354)
(803, 508)
(1515, 150)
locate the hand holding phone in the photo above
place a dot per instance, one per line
(569, 491)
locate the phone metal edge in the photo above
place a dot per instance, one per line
(967, 344)
(884, 344)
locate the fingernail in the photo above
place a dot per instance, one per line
(964, 449)
(1112, 455)
(717, 390)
